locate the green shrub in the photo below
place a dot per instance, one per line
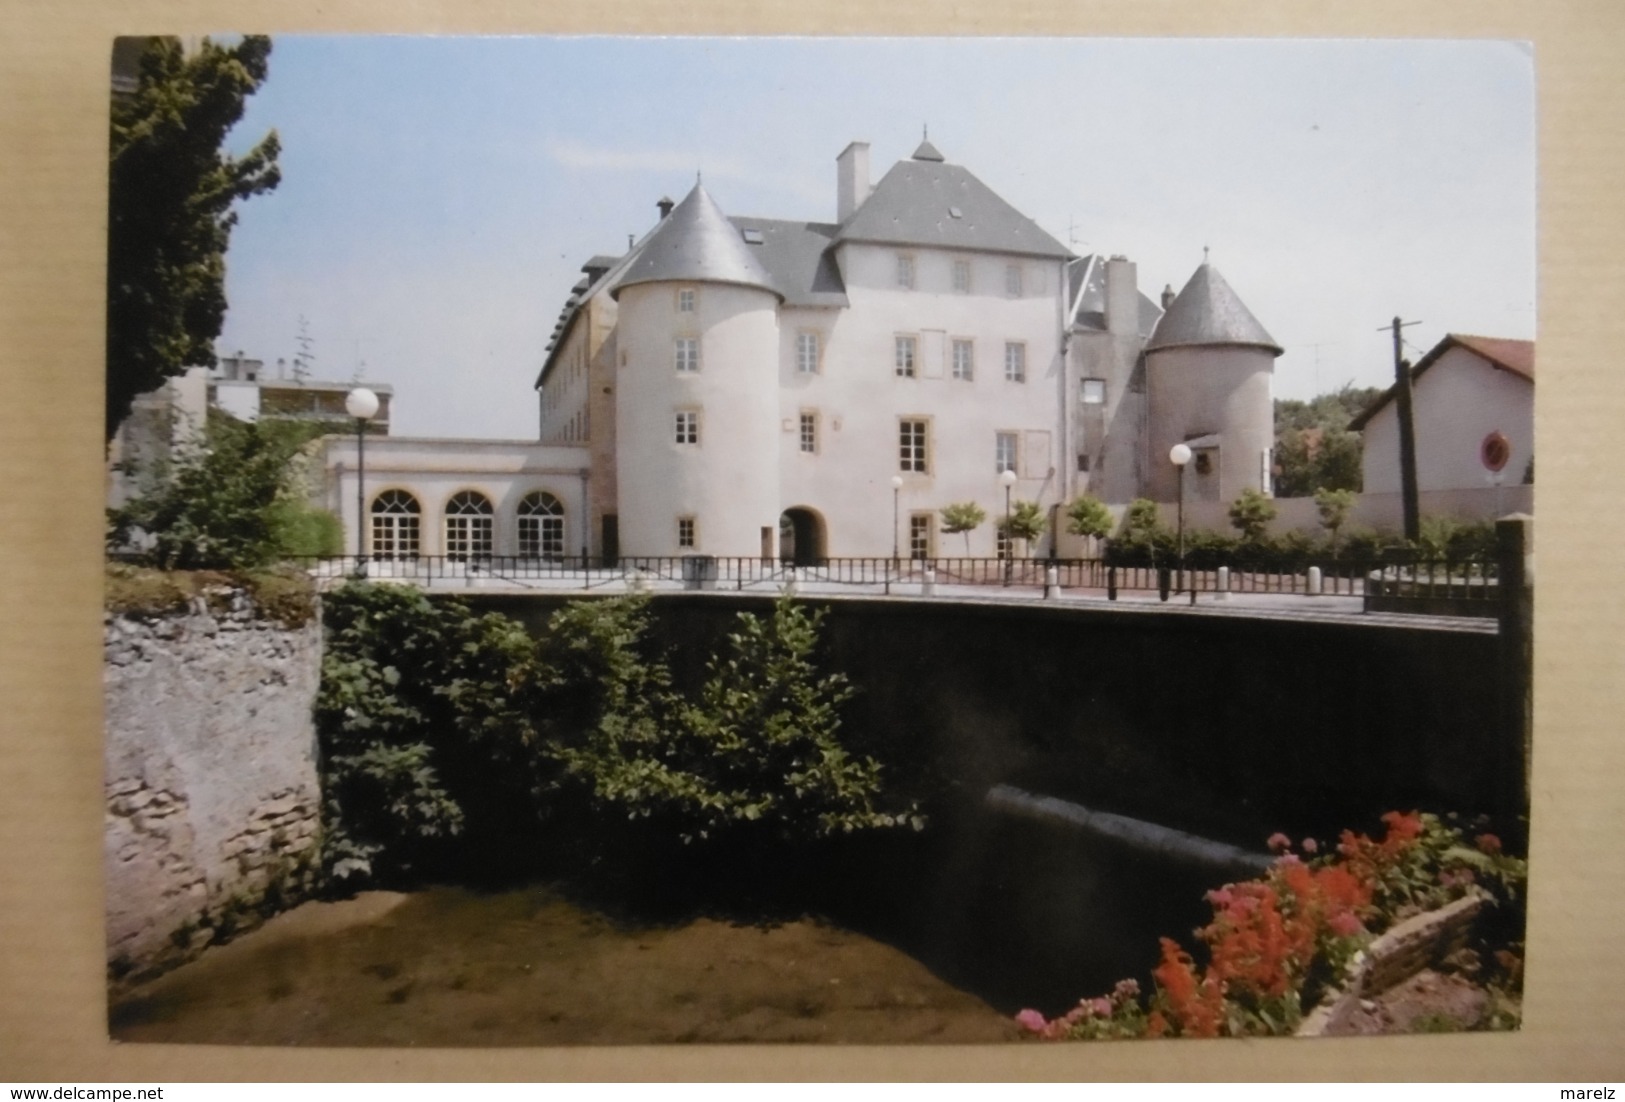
(758, 755)
(962, 517)
(418, 698)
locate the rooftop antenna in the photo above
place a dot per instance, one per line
(1204, 254)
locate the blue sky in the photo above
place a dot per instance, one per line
(440, 194)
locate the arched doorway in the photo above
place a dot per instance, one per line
(801, 537)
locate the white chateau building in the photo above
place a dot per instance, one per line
(752, 387)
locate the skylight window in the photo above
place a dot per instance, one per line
(753, 237)
(955, 212)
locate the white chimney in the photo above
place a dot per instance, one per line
(1122, 296)
(851, 179)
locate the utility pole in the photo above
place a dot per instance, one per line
(1407, 435)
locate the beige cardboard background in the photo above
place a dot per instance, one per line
(53, 137)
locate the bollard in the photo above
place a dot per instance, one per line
(1222, 591)
(1111, 583)
(469, 575)
(792, 582)
(1052, 583)
(637, 581)
(928, 588)
(1314, 581)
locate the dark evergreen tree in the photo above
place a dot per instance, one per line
(171, 190)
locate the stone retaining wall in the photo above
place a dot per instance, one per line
(213, 802)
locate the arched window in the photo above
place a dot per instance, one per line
(541, 526)
(468, 526)
(395, 515)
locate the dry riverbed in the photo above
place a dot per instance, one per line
(452, 967)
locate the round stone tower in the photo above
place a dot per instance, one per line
(697, 403)
(1208, 369)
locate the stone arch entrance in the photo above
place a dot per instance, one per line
(802, 540)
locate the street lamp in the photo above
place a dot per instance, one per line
(896, 492)
(1179, 455)
(362, 404)
(1007, 479)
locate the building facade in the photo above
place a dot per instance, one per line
(741, 386)
(1463, 391)
(750, 386)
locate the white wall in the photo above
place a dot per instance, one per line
(505, 471)
(729, 481)
(1196, 391)
(1378, 512)
(1457, 401)
(860, 399)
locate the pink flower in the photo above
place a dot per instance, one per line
(1219, 897)
(1279, 843)
(1126, 989)
(1488, 843)
(1344, 924)
(1101, 1007)
(1288, 859)
(1310, 846)
(1031, 1020)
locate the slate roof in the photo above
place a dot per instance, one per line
(798, 257)
(697, 242)
(1503, 354)
(911, 206)
(1086, 292)
(1208, 312)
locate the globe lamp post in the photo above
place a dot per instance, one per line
(362, 404)
(1007, 479)
(1179, 455)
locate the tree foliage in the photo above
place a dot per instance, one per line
(439, 726)
(1251, 513)
(421, 714)
(1026, 522)
(1314, 447)
(1333, 507)
(171, 191)
(230, 500)
(962, 516)
(1088, 516)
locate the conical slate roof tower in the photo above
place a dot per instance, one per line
(696, 243)
(1207, 312)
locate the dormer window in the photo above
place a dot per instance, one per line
(752, 236)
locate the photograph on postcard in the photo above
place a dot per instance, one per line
(660, 540)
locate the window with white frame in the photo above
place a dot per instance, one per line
(913, 445)
(685, 300)
(469, 526)
(905, 270)
(809, 431)
(1012, 280)
(807, 353)
(395, 521)
(964, 359)
(1015, 362)
(1094, 392)
(906, 348)
(688, 353)
(688, 426)
(541, 526)
(919, 535)
(686, 536)
(962, 276)
(1005, 446)
(1001, 547)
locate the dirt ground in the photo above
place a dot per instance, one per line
(451, 967)
(1428, 1002)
